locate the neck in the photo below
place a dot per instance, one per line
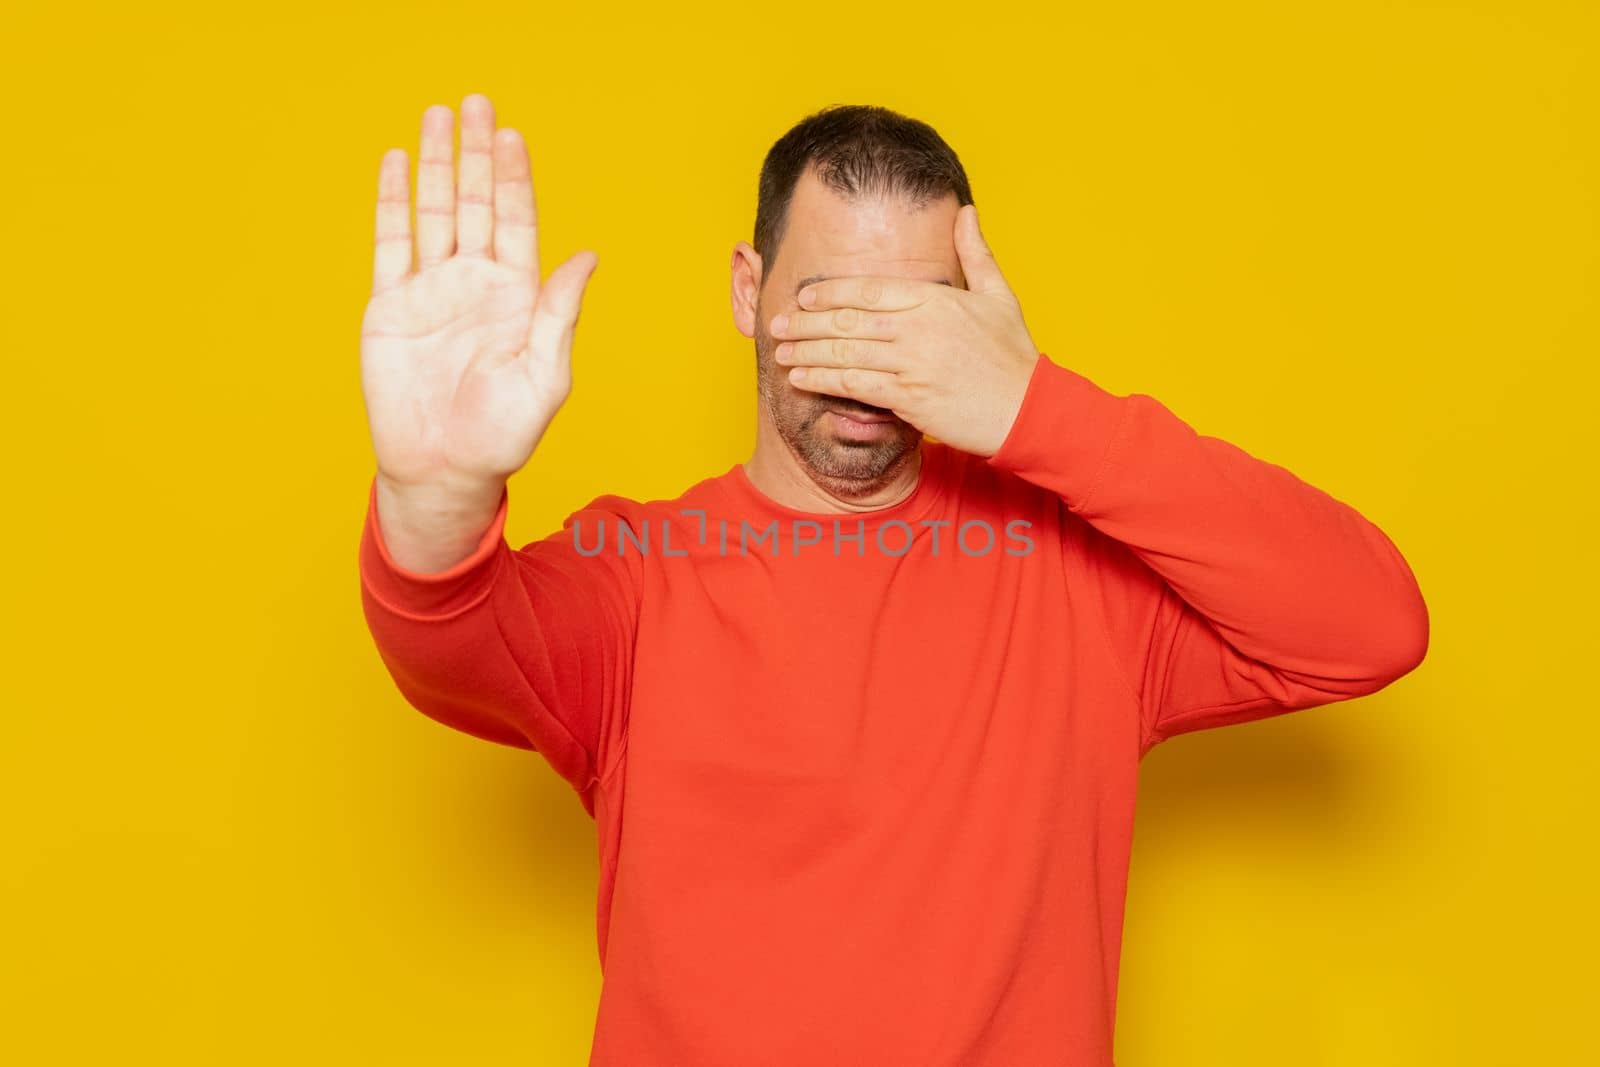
(778, 473)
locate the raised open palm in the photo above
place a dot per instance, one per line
(466, 358)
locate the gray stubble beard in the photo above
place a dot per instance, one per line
(845, 469)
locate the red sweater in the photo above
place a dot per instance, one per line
(869, 799)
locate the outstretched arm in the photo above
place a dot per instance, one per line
(531, 647)
(465, 360)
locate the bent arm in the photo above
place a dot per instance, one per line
(1231, 589)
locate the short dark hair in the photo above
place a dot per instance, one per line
(857, 150)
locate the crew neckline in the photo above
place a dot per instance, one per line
(929, 488)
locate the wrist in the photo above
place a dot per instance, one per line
(1006, 406)
(428, 527)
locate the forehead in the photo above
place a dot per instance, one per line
(827, 235)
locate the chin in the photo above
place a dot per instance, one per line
(859, 465)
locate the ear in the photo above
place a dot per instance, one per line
(745, 286)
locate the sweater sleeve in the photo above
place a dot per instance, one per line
(530, 647)
(1230, 590)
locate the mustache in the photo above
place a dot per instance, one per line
(848, 404)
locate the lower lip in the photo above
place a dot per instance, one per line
(858, 429)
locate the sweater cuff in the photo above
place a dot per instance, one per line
(1064, 433)
(429, 596)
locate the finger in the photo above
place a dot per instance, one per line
(391, 257)
(555, 316)
(436, 187)
(516, 232)
(839, 322)
(475, 183)
(868, 386)
(977, 260)
(841, 352)
(867, 291)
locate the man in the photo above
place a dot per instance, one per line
(859, 720)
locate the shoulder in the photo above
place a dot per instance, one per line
(630, 533)
(638, 510)
(972, 483)
(977, 488)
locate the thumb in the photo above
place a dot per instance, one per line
(977, 262)
(555, 316)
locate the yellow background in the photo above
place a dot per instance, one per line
(1357, 239)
